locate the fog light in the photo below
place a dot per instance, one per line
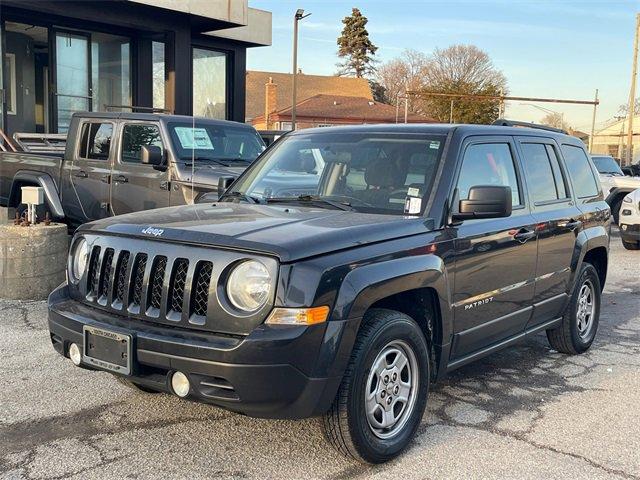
(180, 384)
(74, 354)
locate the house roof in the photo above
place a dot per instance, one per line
(340, 107)
(308, 86)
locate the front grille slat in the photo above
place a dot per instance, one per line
(200, 293)
(156, 281)
(104, 284)
(137, 280)
(120, 280)
(93, 273)
(177, 286)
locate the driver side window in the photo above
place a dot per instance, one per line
(135, 136)
(488, 164)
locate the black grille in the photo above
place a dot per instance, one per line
(137, 278)
(178, 282)
(157, 280)
(121, 276)
(105, 276)
(200, 292)
(124, 278)
(94, 272)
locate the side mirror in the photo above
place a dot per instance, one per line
(151, 155)
(224, 183)
(485, 202)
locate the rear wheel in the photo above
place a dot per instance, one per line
(580, 321)
(383, 394)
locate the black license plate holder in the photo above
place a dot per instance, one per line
(107, 350)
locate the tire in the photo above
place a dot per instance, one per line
(576, 334)
(346, 425)
(615, 210)
(135, 386)
(631, 245)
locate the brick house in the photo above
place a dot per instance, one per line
(323, 101)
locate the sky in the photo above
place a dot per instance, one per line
(546, 48)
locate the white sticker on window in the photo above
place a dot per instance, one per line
(412, 205)
(196, 138)
(413, 192)
(434, 145)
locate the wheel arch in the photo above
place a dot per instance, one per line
(592, 246)
(417, 286)
(25, 178)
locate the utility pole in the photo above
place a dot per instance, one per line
(632, 95)
(406, 108)
(593, 122)
(294, 90)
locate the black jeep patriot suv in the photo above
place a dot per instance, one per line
(343, 273)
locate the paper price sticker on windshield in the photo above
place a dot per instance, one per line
(194, 138)
(412, 205)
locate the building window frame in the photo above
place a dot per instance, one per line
(229, 55)
(11, 80)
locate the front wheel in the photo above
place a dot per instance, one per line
(580, 320)
(383, 394)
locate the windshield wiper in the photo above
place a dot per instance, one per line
(312, 199)
(188, 161)
(240, 196)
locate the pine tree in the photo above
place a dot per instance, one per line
(355, 47)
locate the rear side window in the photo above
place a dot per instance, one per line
(135, 136)
(95, 141)
(544, 176)
(584, 182)
(488, 164)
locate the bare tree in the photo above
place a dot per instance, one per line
(464, 69)
(459, 69)
(555, 120)
(407, 72)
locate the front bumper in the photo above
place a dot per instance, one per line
(275, 372)
(629, 233)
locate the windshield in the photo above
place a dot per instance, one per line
(607, 165)
(215, 142)
(368, 172)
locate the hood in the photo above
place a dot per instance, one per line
(288, 232)
(618, 181)
(208, 174)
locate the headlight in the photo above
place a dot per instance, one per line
(249, 285)
(627, 199)
(79, 259)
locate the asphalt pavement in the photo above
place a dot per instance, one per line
(526, 412)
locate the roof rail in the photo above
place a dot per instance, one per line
(136, 109)
(514, 123)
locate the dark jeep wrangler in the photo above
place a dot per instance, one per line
(392, 255)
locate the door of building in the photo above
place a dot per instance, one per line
(71, 90)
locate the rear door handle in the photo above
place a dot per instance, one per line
(524, 234)
(81, 174)
(121, 179)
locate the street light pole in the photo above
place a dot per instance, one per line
(294, 90)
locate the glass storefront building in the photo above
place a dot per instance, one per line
(61, 57)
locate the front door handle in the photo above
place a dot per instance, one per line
(523, 234)
(121, 179)
(81, 174)
(571, 224)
